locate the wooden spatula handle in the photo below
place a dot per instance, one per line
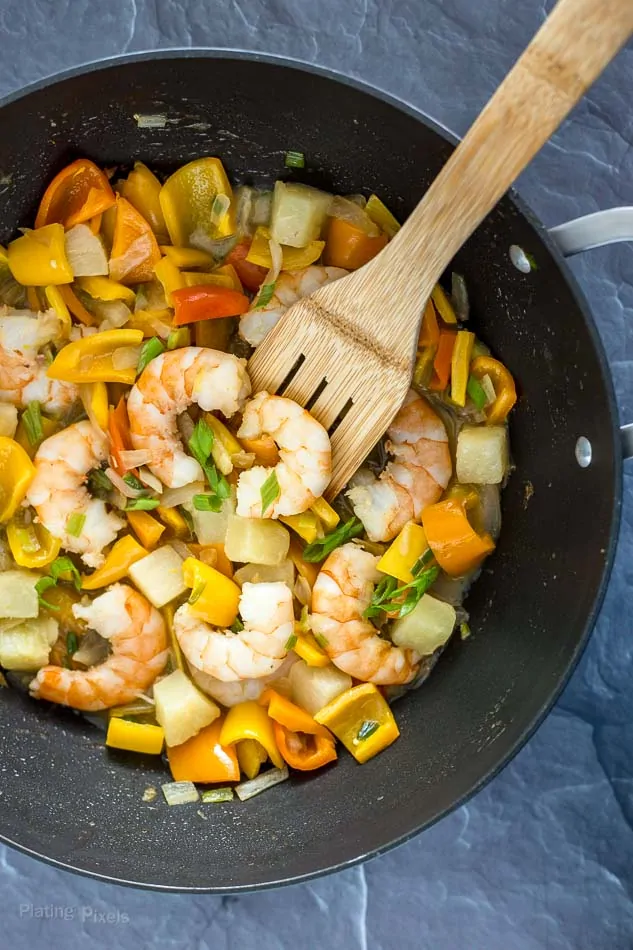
(573, 46)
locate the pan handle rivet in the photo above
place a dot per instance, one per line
(583, 452)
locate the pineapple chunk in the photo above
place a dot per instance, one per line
(210, 526)
(427, 627)
(181, 709)
(255, 541)
(159, 576)
(18, 597)
(482, 455)
(27, 645)
(313, 687)
(266, 574)
(298, 214)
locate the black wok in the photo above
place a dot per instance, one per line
(68, 800)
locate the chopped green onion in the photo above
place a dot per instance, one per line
(459, 297)
(178, 338)
(32, 420)
(269, 491)
(209, 502)
(197, 592)
(265, 295)
(99, 484)
(200, 445)
(188, 519)
(75, 524)
(303, 624)
(367, 729)
(488, 387)
(237, 626)
(42, 585)
(295, 160)
(180, 793)
(63, 569)
(319, 549)
(134, 482)
(72, 643)
(217, 795)
(476, 392)
(425, 558)
(254, 786)
(321, 640)
(149, 351)
(464, 630)
(142, 504)
(291, 642)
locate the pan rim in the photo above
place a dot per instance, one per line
(530, 728)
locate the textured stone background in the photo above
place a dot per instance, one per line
(542, 858)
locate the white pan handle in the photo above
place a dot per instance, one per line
(593, 230)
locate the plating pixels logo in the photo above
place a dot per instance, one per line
(85, 914)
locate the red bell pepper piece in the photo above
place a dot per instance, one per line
(251, 275)
(207, 302)
(442, 361)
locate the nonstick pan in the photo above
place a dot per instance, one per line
(63, 796)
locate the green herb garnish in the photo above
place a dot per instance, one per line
(269, 491)
(291, 641)
(321, 640)
(476, 392)
(142, 504)
(63, 569)
(319, 549)
(367, 729)
(208, 502)
(295, 160)
(42, 585)
(265, 295)
(72, 643)
(99, 485)
(237, 626)
(32, 421)
(388, 597)
(200, 445)
(133, 482)
(197, 592)
(75, 524)
(149, 351)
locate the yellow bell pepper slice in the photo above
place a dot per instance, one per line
(306, 525)
(119, 559)
(309, 650)
(149, 322)
(185, 257)
(169, 276)
(187, 199)
(361, 718)
(89, 360)
(147, 529)
(31, 545)
(306, 569)
(214, 597)
(251, 755)
(225, 445)
(326, 513)
(403, 552)
(168, 612)
(57, 302)
(94, 397)
(104, 288)
(135, 736)
(49, 427)
(38, 258)
(443, 305)
(227, 270)
(195, 278)
(142, 189)
(16, 474)
(382, 216)
(294, 258)
(460, 366)
(249, 720)
(172, 518)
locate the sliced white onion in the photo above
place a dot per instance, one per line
(133, 458)
(262, 208)
(219, 208)
(254, 786)
(488, 387)
(218, 248)
(125, 357)
(121, 485)
(182, 550)
(112, 314)
(302, 591)
(180, 793)
(172, 497)
(243, 207)
(139, 251)
(243, 459)
(93, 649)
(85, 252)
(349, 211)
(150, 480)
(185, 426)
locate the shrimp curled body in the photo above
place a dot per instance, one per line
(305, 467)
(341, 593)
(136, 633)
(257, 651)
(290, 286)
(166, 388)
(23, 376)
(58, 490)
(416, 476)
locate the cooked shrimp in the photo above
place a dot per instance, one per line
(62, 464)
(305, 465)
(256, 651)
(290, 286)
(239, 691)
(341, 593)
(23, 376)
(136, 633)
(415, 478)
(166, 387)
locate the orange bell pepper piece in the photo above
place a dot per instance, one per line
(207, 302)
(221, 562)
(429, 331)
(147, 529)
(264, 449)
(79, 192)
(455, 544)
(142, 188)
(203, 759)
(442, 361)
(119, 432)
(95, 223)
(290, 715)
(135, 250)
(305, 568)
(75, 305)
(348, 246)
(503, 383)
(251, 275)
(304, 751)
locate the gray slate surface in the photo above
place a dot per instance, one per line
(542, 857)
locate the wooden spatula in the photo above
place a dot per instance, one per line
(353, 342)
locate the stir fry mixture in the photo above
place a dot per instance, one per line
(169, 564)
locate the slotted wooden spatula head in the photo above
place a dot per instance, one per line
(347, 351)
